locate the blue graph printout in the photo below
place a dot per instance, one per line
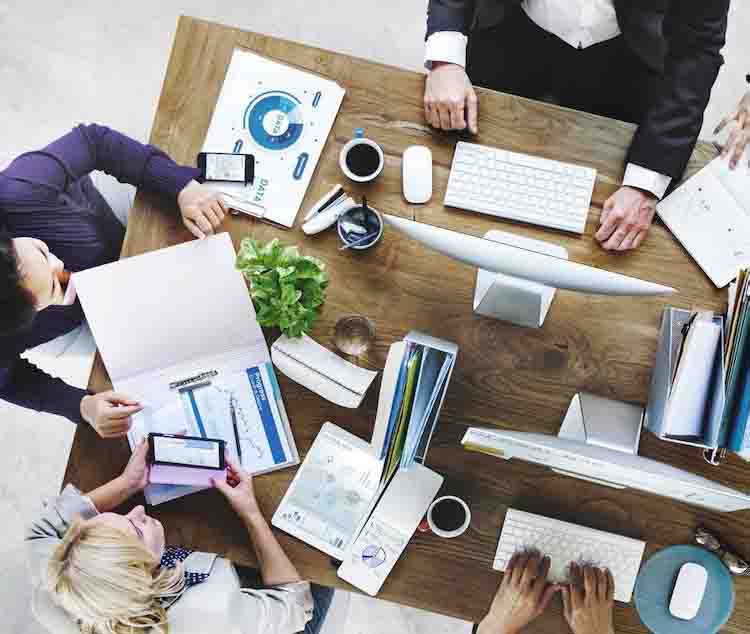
(255, 396)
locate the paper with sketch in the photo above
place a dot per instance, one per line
(331, 491)
(710, 215)
(282, 116)
(169, 315)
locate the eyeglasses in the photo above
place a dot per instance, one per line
(709, 541)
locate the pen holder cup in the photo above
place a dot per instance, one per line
(358, 223)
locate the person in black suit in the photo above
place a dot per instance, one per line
(651, 62)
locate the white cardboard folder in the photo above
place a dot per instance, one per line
(171, 314)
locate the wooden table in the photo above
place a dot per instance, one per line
(507, 376)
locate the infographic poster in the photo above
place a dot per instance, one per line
(280, 115)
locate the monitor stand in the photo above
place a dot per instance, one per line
(603, 422)
(513, 299)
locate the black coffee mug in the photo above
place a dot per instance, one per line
(448, 516)
(361, 159)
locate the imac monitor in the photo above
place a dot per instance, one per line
(524, 263)
(606, 466)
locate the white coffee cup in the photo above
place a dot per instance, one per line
(360, 140)
(448, 534)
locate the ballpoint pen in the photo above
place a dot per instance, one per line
(233, 413)
(354, 243)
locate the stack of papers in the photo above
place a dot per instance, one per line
(361, 502)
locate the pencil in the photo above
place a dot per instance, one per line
(233, 412)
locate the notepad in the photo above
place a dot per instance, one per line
(710, 215)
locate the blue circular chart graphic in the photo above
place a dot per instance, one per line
(275, 120)
(373, 556)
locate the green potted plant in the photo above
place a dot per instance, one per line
(288, 289)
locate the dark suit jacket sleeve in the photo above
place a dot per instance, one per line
(449, 15)
(695, 33)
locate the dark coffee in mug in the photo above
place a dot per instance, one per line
(363, 160)
(448, 515)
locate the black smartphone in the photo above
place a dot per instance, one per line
(186, 451)
(227, 167)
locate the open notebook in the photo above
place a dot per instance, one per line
(177, 331)
(710, 216)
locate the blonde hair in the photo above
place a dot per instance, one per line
(109, 582)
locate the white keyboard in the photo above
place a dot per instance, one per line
(520, 187)
(564, 543)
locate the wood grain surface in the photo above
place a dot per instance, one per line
(506, 376)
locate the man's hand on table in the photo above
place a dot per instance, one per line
(626, 218)
(202, 209)
(588, 601)
(450, 102)
(523, 595)
(109, 413)
(739, 138)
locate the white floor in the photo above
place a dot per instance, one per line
(65, 62)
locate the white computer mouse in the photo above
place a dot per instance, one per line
(688, 591)
(417, 174)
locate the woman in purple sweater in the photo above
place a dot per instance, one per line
(54, 221)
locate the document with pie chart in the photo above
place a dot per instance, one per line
(280, 115)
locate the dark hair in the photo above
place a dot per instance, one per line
(16, 302)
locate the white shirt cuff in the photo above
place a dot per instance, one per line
(445, 46)
(643, 178)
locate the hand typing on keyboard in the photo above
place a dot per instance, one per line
(588, 600)
(523, 595)
(525, 592)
